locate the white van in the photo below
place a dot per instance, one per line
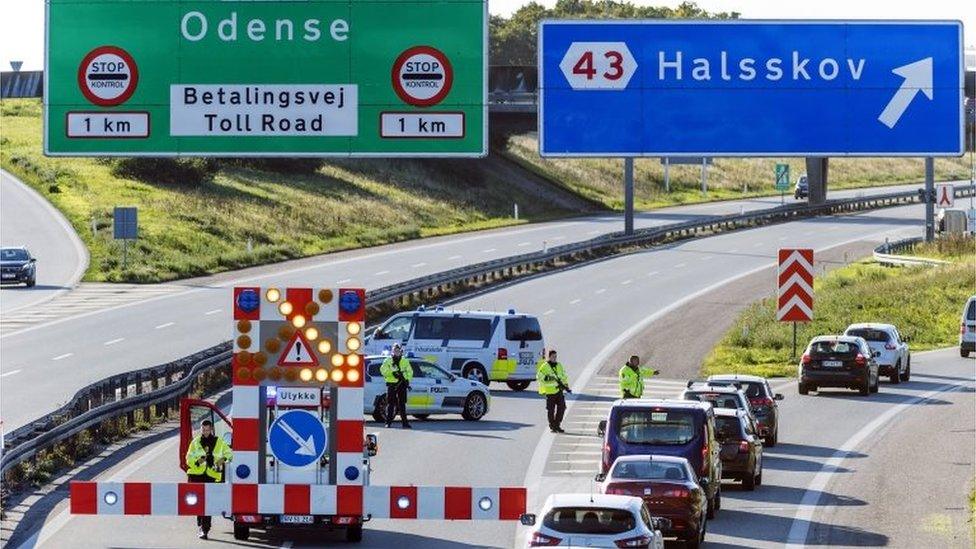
(483, 346)
(967, 328)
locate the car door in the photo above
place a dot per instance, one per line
(419, 398)
(428, 341)
(192, 414)
(469, 340)
(443, 396)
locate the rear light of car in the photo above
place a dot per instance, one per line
(704, 456)
(639, 541)
(606, 457)
(759, 402)
(743, 447)
(682, 492)
(502, 353)
(541, 540)
(250, 519)
(344, 520)
(860, 360)
(616, 489)
(806, 359)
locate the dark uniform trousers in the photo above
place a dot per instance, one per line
(396, 402)
(555, 409)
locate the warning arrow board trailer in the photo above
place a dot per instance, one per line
(311, 78)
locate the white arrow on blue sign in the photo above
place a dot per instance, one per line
(297, 438)
(751, 88)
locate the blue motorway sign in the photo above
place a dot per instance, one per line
(750, 88)
(297, 438)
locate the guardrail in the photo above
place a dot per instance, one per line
(888, 254)
(162, 386)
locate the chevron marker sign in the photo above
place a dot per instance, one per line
(795, 278)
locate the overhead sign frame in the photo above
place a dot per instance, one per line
(739, 22)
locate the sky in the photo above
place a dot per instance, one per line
(22, 21)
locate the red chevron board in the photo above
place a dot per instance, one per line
(795, 282)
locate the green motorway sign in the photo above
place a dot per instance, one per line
(782, 177)
(266, 78)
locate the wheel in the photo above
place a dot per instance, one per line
(421, 417)
(804, 389)
(379, 409)
(475, 407)
(241, 531)
(759, 476)
(773, 438)
(695, 542)
(877, 384)
(32, 282)
(711, 507)
(963, 353)
(895, 376)
(517, 385)
(749, 482)
(865, 389)
(718, 498)
(475, 372)
(908, 369)
(354, 534)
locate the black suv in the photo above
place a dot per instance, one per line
(762, 399)
(17, 266)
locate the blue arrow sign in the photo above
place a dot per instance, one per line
(750, 88)
(297, 438)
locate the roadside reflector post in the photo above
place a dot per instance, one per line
(929, 199)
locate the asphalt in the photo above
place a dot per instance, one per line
(828, 442)
(28, 219)
(57, 357)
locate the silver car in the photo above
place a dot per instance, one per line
(432, 391)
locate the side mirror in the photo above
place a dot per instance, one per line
(600, 477)
(778, 396)
(527, 519)
(33, 260)
(601, 428)
(661, 523)
(372, 444)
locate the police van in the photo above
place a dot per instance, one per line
(479, 345)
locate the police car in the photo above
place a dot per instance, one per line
(432, 391)
(478, 345)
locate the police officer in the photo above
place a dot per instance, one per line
(632, 378)
(206, 459)
(397, 373)
(553, 382)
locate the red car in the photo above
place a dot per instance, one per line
(669, 487)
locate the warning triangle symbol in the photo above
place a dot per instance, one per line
(298, 352)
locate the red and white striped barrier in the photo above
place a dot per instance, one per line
(388, 502)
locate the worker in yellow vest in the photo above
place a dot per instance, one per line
(397, 373)
(632, 378)
(206, 458)
(553, 382)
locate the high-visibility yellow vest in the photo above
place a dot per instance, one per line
(548, 377)
(389, 370)
(197, 451)
(632, 381)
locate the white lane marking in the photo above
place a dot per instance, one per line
(800, 527)
(380, 273)
(489, 250)
(549, 312)
(523, 244)
(600, 291)
(416, 265)
(537, 465)
(626, 282)
(213, 312)
(732, 251)
(679, 265)
(343, 281)
(10, 373)
(114, 341)
(575, 301)
(65, 355)
(165, 325)
(455, 257)
(782, 238)
(652, 273)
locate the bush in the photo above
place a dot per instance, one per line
(172, 171)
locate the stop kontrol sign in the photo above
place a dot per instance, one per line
(108, 76)
(422, 76)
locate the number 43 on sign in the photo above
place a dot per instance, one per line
(598, 65)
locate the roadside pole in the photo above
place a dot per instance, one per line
(704, 176)
(667, 175)
(628, 196)
(793, 356)
(929, 199)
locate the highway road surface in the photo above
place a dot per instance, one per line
(55, 358)
(819, 483)
(28, 219)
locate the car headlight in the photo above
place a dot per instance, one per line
(26, 266)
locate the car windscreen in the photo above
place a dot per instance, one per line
(870, 334)
(664, 427)
(718, 400)
(13, 254)
(523, 329)
(589, 520)
(373, 368)
(847, 348)
(727, 428)
(648, 470)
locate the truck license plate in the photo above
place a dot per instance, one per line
(525, 359)
(296, 519)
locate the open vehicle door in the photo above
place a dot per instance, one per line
(192, 414)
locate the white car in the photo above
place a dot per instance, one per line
(595, 520)
(967, 328)
(895, 359)
(432, 391)
(479, 345)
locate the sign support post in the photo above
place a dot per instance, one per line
(793, 356)
(628, 196)
(667, 175)
(704, 176)
(929, 199)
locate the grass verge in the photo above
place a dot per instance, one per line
(948, 248)
(244, 213)
(600, 179)
(924, 302)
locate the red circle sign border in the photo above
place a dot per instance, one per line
(448, 76)
(126, 94)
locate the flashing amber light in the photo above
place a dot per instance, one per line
(259, 374)
(243, 326)
(325, 296)
(272, 345)
(336, 375)
(325, 346)
(243, 341)
(285, 308)
(322, 375)
(298, 321)
(354, 328)
(243, 358)
(311, 333)
(305, 374)
(353, 344)
(352, 360)
(260, 359)
(352, 376)
(311, 308)
(337, 360)
(273, 295)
